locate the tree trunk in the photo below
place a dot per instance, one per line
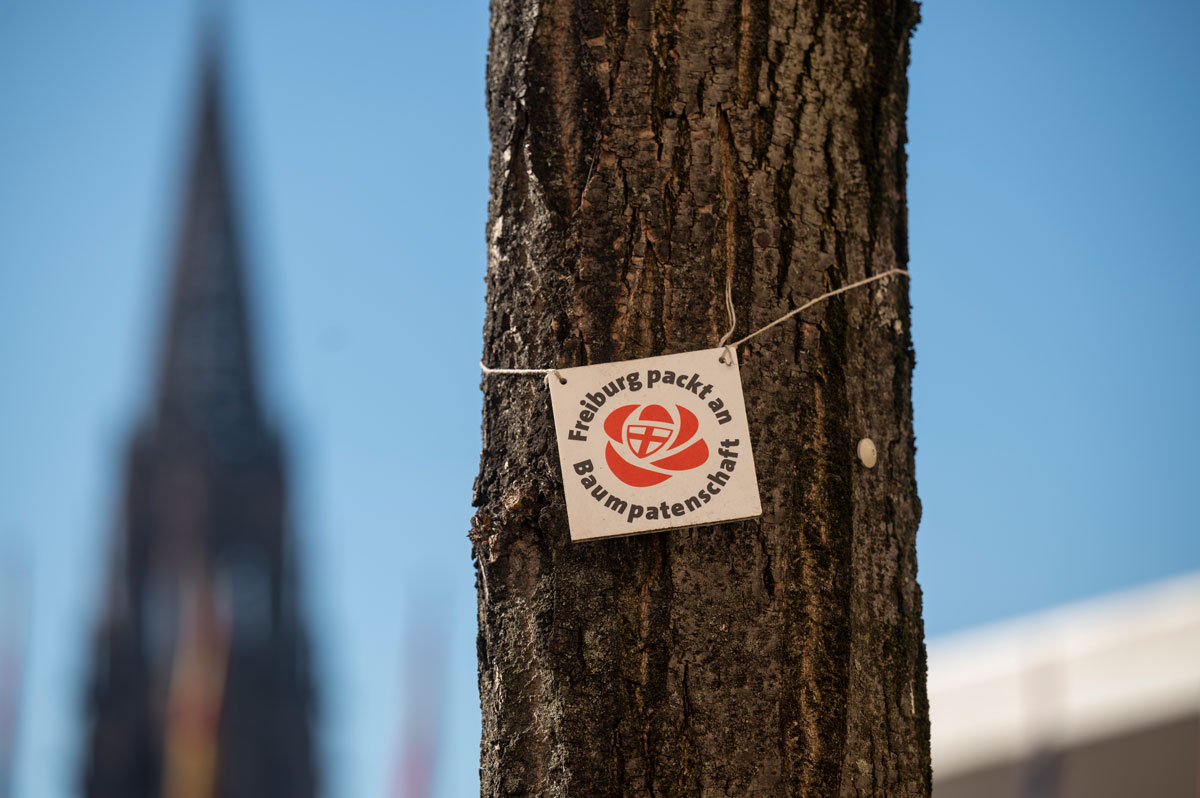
(643, 150)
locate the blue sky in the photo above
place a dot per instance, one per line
(1053, 207)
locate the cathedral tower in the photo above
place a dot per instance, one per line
(200, 686)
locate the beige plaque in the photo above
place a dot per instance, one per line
(656, 443)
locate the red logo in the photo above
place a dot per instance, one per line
(662, 443)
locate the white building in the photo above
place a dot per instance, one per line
(1086, 701)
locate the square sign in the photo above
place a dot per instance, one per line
(656, 443)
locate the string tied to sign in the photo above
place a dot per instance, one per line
(540, 372)
(726, 356)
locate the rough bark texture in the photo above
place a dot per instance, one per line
(641, 151)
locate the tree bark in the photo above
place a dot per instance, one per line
(643, 150)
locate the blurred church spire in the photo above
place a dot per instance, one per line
(200, 681)
(207, 381)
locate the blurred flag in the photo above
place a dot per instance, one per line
(12, 628)
(425, 666)
(196, 692)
